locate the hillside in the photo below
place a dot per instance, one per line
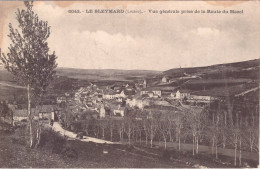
(246, 69)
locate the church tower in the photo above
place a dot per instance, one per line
(144, 84)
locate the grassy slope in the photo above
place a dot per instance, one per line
(238, 69)
(13, 154)
(90, 155)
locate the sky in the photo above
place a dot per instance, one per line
(144, 41)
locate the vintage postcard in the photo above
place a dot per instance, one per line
(129, 84)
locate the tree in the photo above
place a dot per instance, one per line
(170, 126)
(111, 125)
(163, 128)
(196, 123)
(120, 126)
(179, 126)
(150, 127)
(28, 57)
(129, 128)
(103, 125)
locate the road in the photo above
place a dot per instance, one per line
(187, 147)
(57, 127)
(247, 91)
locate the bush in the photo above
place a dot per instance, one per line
(52, 140)
(20, 136)
(57, 144)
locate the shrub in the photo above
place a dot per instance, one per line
(52, 140)
(57, 144)
(20, 136)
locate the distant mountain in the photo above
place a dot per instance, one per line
(93, 74)
(246, 69)
(106, 74)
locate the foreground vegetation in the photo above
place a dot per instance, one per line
(56, 151)
(219, 125)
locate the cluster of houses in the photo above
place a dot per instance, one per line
(188, 96)
(114, 100)
(40, 112)
(107, 101)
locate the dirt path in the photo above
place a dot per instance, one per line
(57, 127)
(248, 91)
(187, 147)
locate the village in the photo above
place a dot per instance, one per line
(116, 100)
(121, 99)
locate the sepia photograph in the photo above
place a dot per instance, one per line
(129, 84)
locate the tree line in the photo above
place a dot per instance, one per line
(216, 126)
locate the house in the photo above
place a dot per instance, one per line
(173, 95)
(61, 99)
(67, 94)
(201, 98)
(152, 92)
(121, 94)
(20, 114)
(119, 99)
(119, 111)
(167, 90)
(109, 95)
(137, 103)
(44, 115)
(181, 94)
(47, 112)
(165, 79)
